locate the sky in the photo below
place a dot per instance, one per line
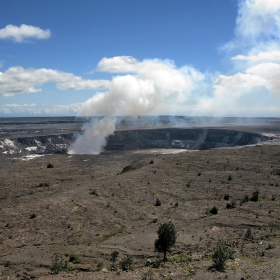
(140, 57)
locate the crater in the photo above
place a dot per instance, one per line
(55, 135)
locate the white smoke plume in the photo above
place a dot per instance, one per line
(94, 136)
(155, 87)
(148, 87)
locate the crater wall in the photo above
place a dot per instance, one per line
(166, 138)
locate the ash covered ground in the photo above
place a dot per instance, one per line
(86, 206)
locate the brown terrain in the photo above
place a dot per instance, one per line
(84, 207)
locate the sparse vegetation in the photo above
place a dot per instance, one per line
(221, 254)
(73, 257)
(126, 263)
(149, 275)
(245, 199)
(42, 185)
(59, 263)
(94, 192)
(122, 216)
(181, 258)
(231, 204)
(113, 233)
(99, 266)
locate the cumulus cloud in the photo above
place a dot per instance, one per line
(18, 80)
(145, 86)
(258, 20)
(261, 56)
(257, 37)
(24, 32)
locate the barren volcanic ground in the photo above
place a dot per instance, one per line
(88, 206)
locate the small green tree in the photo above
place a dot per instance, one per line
(166, 238)
(114, 257)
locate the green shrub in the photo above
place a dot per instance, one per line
(158, 202)
(214, 210)
(220, 256)
(32, 216)
(94, 192)
(58, 264)
(269, 247)
(42, 185)
(181, 258)
(99, 266)
(149, 275)
(255, 196)
(248, 234)
(73, 257)
(245, 199)
(231, 204)
(226, 197)
(50, 165)
(126, 263)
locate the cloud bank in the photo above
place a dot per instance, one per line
(23, 33)
(18, 80)
(40, 110)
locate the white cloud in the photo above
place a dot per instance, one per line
(239, 80)
(258, 19)
(118, 64)
(261, 56)
(17, 80)
(33, 109)
(22, 33)
(148, 86)
(77, 83)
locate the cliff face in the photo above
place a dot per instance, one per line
(175, 138)
(168, 138)
(49, 144)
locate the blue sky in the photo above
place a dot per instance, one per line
(120, 57)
